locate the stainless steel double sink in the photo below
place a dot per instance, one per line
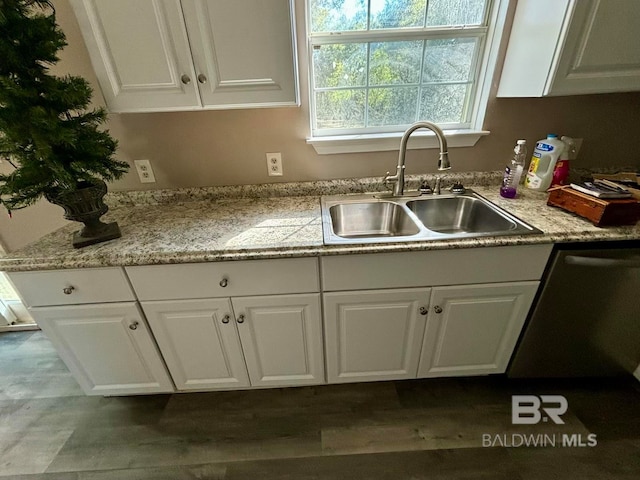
(374, 218)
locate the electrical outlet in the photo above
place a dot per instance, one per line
(145, 172)
(274, 164)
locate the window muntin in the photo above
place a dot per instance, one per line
(380, 65)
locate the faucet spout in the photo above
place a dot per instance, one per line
(443, 161)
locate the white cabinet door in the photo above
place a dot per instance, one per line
(572, 47)
(374, 334)
(472, 330)
(107, 347)
(282, 339)
(600, 52)
(140, 53)
(167, 55)
(243, 52)
(199, 342)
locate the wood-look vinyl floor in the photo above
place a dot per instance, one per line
(423, 429)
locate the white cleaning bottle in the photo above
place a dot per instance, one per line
(543, 161)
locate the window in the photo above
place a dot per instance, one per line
(377, 66)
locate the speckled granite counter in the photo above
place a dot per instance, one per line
(201, 226)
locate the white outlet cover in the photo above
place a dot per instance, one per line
(145, 172)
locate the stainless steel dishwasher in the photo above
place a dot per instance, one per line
(586, 321)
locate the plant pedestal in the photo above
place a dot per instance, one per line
(96, 232)
(86, 205)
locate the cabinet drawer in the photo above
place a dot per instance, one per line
(225, 279)
(436, 267)
(69, 287)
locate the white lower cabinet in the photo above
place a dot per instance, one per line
(374, 334)
(282, 339)
(240, 342)
(472, 330)
(199, 342)
(107, 347)
(398, 334)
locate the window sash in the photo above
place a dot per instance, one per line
(424, 34)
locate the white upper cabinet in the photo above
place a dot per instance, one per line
(571, 47)
(243, 52)
(168, 55)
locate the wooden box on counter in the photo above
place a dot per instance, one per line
(602, 213)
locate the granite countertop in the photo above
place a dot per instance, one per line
(239, 223)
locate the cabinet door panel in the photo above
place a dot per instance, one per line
(594, 59)
(281, 339)
(140, 52)
(374, 335)
(245, 50)
(473, 330)
(107, 347)
(201, 350)
(572, 47)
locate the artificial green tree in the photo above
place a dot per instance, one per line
(47, 132)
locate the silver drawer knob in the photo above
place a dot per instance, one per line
(424, 310)
(226, 319)
(437, 309)
(185, 79)
(224, 282)
(240, 319)
(68, 290)
(202, 78)
(134, 326)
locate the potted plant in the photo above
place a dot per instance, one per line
(47, 132)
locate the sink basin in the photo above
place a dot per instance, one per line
(372, 219)
(462, 214)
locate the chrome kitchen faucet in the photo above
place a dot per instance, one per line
(443, 161)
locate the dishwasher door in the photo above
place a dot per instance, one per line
(587, 319)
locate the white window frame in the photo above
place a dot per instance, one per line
(461, 136)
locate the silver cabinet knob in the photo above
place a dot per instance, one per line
(185, 79)
(224, 282)
(202, 78)
(437, 309)
(240, 319)
(134, 325)
(424, 310)
(68, 290)
(226, 319)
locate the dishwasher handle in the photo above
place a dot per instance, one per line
(631, 262)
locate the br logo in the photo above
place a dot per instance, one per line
(531, 409)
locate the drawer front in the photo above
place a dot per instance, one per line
(436, 267)
(70, 287)
(225, 279)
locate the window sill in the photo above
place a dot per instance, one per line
(383, 142)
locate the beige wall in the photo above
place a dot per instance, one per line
(227, 147)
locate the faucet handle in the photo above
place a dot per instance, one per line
(388, 178)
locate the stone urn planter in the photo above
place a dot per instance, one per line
(86, 205)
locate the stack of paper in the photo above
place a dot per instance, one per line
(602, 189)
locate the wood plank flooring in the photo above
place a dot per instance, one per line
(427, 429)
